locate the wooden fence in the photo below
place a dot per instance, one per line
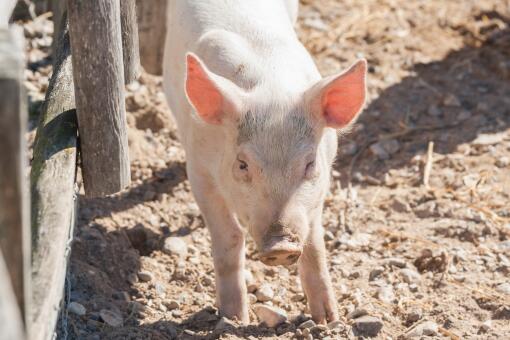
(83, 117)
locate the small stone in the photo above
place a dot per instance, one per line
(503, 162)
(123, 296)
(175, 246)
(111, 318)
(486, 326)
(307, 324)
(199, 288)
(426, 210)
(356, 313)
(410, 276)
(399, 205)
(451, 100)
(385, 294)
(489, 138)
(414, 316)
(252, 298)
(336, 325)
(374, 273)
(427, 328)
(396, 262)
(391, 146)
(224, 324)
(329, 236)
(77, 308)
(348, 149)
(160, 289)
(434, 111)
(297, 297)
(264, 293)
(172, 304)
(379, 151)
(503, 288)
(367, 325)
(251, 284)
(145, 276)
(271, 316)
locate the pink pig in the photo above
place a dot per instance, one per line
(259, 126)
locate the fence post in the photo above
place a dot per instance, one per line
(130, 46)
(11, 326)
(14, 199)
(53, 192)
(152, 32)
(96, 43)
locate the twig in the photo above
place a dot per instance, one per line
(428, 165)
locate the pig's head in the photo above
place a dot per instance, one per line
(277, 156)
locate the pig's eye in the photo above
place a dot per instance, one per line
(310, 169)
(242, 165)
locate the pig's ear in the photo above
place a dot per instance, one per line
(337, 100)
(213, 97)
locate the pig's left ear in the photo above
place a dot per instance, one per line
(336, 101)
(213, 97)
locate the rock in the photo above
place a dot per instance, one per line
(379, 151)
(391, 146)
(271, 316)
(76, 308)
(426, 210)
(297, 297)
(336, 325)
(348, 149)
(175, 246)
(399, 205)
(489, 138)
(251, 284)
(451, 100)
(503, 162)
(111, 318)
(358, 312)
(172, 304)
(410, 276)
(486, 326)
(307, 324)
(385, 294)
(396, 262)
(160, 289)
(427, 328)
(145, 276)
(367, 325)
(123, 296)
(329, 236)
(252, 298)
(503, 288)
(374, 273)
(413, 316)
(356, 240)
(224, 324)
(434, 111)
(264, 293)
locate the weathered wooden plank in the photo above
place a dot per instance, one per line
(14, 199)
(53, 193)
(95, 32)
(152, 32)
(130, 47)
(11, 326)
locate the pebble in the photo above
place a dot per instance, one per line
(297, 297)
(336, 325)
(427, 328)
(224, 324)
(396, 262)
(451, 100)
(77, 308)
(379, 151)
(503, 288)
(251, 284)
(271, 316)
(503, 162)
(307, 324)
(175, 246)
(486, 326)
(374, 273)
(399, 205)
(410, 276)
(367, 325)
(172, 304)
(414, 315)
(145, 276)
(356, 313)
(264, 293)
(252, 298)
(489, 138)
(385, 294)
(111, 318)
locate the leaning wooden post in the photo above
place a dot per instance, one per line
(130, 48)
(151, 15)
(53, 191)
(11, 326)
(14, 199)
(96, 44)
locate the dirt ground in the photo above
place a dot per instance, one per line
(420, 260)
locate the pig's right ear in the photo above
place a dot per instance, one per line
(213, 97)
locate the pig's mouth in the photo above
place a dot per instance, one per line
(280, 250)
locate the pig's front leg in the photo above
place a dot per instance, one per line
(227, 248)
(315, 277)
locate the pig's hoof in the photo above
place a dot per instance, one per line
(284, 257)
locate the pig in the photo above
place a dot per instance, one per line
(259, 127)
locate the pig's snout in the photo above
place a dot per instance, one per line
(280, 247)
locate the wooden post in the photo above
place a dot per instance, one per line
(152, 32)
(57, 7)
(14, 199)
(95, 32)
(130, 48)
(53, 193)
(11, 326)
(6, 7)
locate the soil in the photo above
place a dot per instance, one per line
(416, 232)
